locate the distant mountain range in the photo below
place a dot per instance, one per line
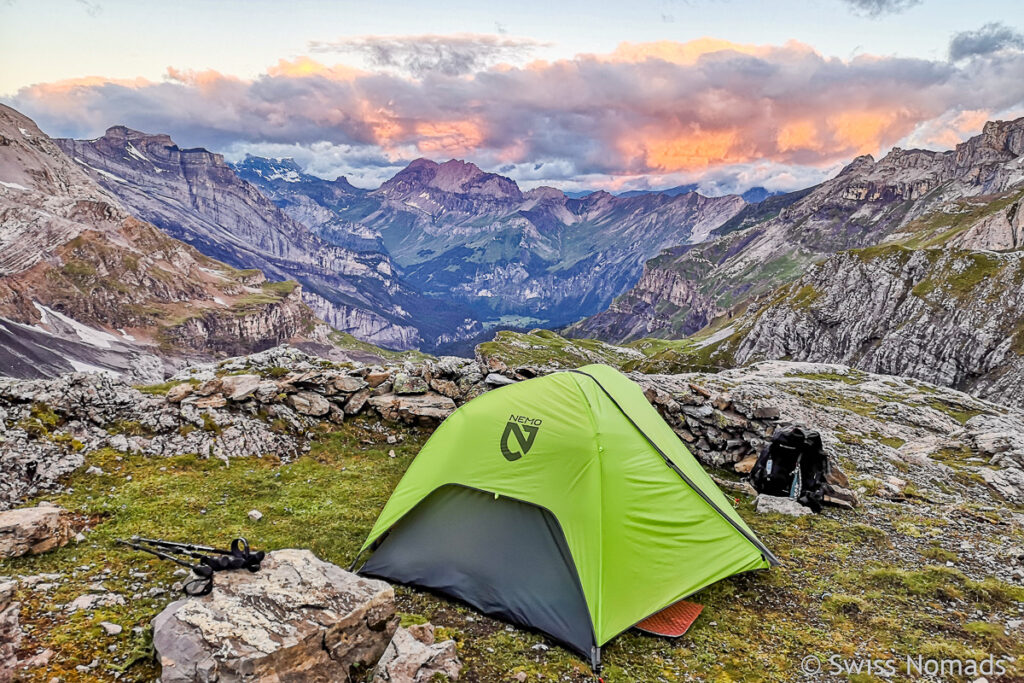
(155, 249)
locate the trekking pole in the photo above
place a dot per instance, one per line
(198, 586)
(240, 556)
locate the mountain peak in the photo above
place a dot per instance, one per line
(454, 176)
(122, 134)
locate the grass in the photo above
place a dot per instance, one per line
(842, 590)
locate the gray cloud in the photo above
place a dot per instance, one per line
(991, 37)
(877, 8)
(453, 55)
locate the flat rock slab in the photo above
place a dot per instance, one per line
(425, 409)
(780, 505)
(297, 619)
(30, 531)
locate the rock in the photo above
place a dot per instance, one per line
(738, 486)
(841, 497)
(308, 403)
(240, 387)
(1007, 482)
(30, 531)
(266, 391)
(375, 379)
(179, 392)
(414, 657)
(215, 401)
(745, 465)
(697, 389)
(10, 631)
(255, 515)
(38, 660)
(780, 505)
(209, 387)
(91, 601)
(346, 384)
(835, 476)
(111, 629)
(446, 387)
(496, 380)
(766, 413)
(698, 412)
(297, 619)
(409, 384)
(428, 409)
(356, 401)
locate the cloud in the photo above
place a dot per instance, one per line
(664, 111)
(990, 38)
(877, 8)
(452, 55)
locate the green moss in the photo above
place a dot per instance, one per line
(210, 425)
(41, 421)
(128, 428)
(939, 554)
(162, 389)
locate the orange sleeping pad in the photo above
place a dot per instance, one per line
(673, 621)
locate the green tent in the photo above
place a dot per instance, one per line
(564, 504)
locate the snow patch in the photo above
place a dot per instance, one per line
(14, 186)
(219, 301)
(716, 337)
(25, 133)
(126, 335)
(106, 174)
(132, 151)
(87, 334)
(287, 176)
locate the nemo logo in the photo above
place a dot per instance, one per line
(524, 429)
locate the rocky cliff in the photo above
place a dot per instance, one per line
(193, 195)
(84, 282)
(867, 203)
(945, 315)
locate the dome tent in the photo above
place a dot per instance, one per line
(562, 503)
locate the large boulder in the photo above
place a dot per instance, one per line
(414, 657)
(30, 531)
(297, 619)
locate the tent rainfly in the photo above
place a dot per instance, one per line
(564, 504)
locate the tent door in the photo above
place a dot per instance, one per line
(506, 558)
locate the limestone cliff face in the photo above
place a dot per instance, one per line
(907, 195)
(948, 316)
(194, 196)
(82, 281)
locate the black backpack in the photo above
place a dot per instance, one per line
(794, 465)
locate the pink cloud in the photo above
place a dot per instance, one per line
(655, 108)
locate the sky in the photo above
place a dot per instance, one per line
(577, 95)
